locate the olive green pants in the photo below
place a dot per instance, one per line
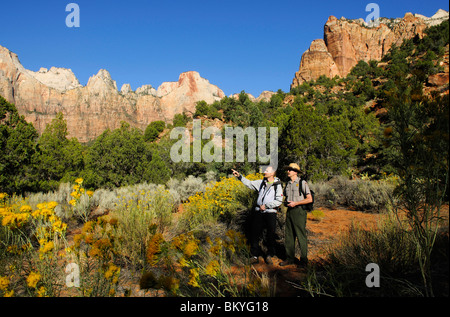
(296, 228)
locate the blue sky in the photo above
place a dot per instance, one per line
(236, 45)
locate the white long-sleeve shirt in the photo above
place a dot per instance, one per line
(269, 194)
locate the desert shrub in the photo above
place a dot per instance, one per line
(139, 213)
(137, 234)
(61, 196)
(104, 199)
(363, 195)
(220, 202)
(81, 201)
(343, 273)
(317, 214)
(73, 200)
(95, 252)
(188, 265)
(370, 196)
(187, 187)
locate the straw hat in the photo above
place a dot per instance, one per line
(294, 167)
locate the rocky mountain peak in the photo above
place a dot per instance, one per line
(102, 82)
(89, 110)
(61, 79)
(346, 42)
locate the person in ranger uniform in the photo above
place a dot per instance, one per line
(295, 227)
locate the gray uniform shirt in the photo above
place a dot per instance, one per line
(293, 192)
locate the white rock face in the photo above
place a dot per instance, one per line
(439, 17)
(126, 89)
(146, 90)
(61, 79)
(102, 82)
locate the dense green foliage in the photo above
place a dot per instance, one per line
(18, 146)
(328, 126)
(153, 130)
(122, 157)
(58, 158)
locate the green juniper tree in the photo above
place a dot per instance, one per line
(18, 146)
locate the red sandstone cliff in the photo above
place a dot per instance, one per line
(346, 42)
(91, 109)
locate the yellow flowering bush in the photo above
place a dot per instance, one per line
(29, 241)
(4, 283)
(22, 224)
(4, 287)
(3, 196)
(80, 201)
(194, 277)
(215, 274)
(94, 249)
(168, 254)
(219, 202)
(14, 220)
(32, 279)
(96, 239)
(138, 233)
(154, 248)
(112, 273)
(141, 212)
(190, 267)
(213, 268)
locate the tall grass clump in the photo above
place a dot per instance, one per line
(140, 214)
(391, 246)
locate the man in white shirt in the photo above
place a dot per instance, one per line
(270, 198)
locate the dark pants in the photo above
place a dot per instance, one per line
(296, 229)
(261, 221)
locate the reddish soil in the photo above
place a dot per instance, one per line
(334, 224)
(321, 233)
